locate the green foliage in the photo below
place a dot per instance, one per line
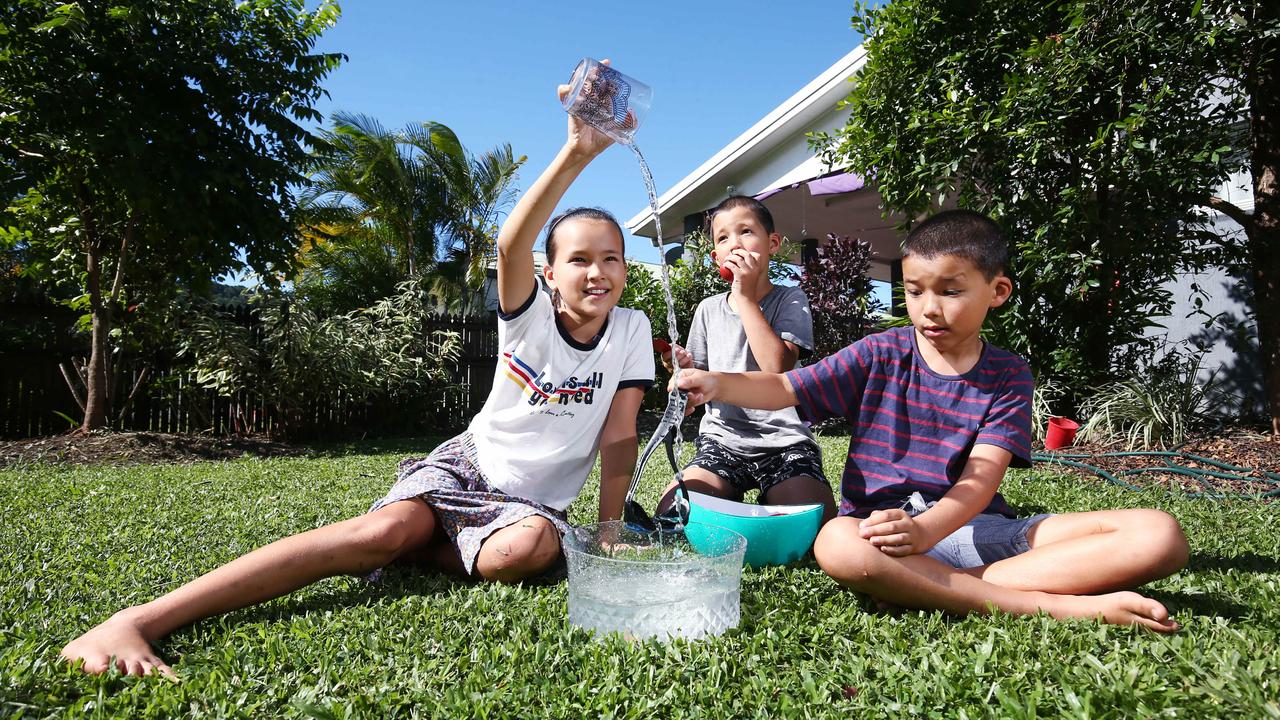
(84, 541)
(1090, 129)
(643, 292)
(150, 147)
(1154, 408)
(121, 119)
(353, 271)
(385, 206)
(693, 278)
(297, 359)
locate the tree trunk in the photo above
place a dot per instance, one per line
(1264, 236)
(95, 407)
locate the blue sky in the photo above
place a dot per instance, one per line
(489, 70)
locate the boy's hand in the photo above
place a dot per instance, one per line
(664, 349)
(684, 358)
(700, 384)
(895, 532)
(747, 267)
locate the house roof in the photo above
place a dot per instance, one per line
(796, 115)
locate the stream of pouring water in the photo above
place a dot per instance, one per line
(672, 331)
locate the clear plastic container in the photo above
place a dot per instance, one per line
(655, 585)
(610, 101)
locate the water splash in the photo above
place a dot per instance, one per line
(673, 332)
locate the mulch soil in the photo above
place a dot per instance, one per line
(1244, 448)
(130, 448)
(1256, 451)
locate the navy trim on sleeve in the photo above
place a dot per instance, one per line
(523, 307)
(642, 384)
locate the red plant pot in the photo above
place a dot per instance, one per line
(1061, 433)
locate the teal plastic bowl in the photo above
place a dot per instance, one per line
(776, 534)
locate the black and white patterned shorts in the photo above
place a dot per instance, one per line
(762, 473)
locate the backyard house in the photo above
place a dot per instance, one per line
(773, 161)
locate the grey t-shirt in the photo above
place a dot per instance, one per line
(718, 341)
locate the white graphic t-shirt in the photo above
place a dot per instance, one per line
(537, 435)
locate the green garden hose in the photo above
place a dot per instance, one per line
(1172, 464)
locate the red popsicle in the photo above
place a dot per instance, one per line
(726, 273)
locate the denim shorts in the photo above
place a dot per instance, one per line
(985, 539)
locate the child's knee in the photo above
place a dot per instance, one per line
(843, 554)
(519, 551)
(385, 535)
(1165, 535)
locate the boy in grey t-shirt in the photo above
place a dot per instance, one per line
(754, 326)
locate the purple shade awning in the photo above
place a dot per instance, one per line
(826, 185)
(835, 184)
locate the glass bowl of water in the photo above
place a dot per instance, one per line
(654, 585)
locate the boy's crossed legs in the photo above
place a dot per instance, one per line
(351, 547)
(1072, 557)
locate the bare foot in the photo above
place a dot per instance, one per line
(117, 638)
(1122, 608)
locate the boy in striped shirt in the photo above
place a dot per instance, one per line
(938, 415)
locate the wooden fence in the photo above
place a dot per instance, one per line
(35, 400)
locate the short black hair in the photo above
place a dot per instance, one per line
(963, 233)
(734, 202)
(583, 213)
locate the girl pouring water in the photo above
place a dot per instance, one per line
(489, 503)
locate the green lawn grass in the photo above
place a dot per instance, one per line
(80, 542)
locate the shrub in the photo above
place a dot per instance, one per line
(1154, 408)
(839, 291)
(295, 361)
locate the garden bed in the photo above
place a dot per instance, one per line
(126, 448)
(1255, 451)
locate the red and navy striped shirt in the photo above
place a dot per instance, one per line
(913, 428)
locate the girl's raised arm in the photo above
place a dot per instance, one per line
(515, 241)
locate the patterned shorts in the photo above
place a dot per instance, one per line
(763, 473)
(467, 507)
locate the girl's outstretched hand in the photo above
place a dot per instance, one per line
(583, 138)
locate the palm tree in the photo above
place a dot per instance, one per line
(417, 193)
(480, 189)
